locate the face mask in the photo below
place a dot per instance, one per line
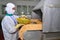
(13, 11)
(10, 10)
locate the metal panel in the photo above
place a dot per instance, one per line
(33, 35)
(51, 36)
(51, 18)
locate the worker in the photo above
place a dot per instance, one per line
(9, 23)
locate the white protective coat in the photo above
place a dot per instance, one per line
(8, 25)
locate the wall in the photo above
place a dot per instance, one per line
(31, 3)
(17, 2)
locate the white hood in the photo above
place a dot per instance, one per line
(9, 9)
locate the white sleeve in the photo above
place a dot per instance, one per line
(9, 26)
(15, 16)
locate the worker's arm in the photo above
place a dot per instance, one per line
(10, 27)
(18, 26)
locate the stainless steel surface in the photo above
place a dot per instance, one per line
(51, 17)
(32, 35)
(51, 36)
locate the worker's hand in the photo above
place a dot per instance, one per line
(18, 26)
